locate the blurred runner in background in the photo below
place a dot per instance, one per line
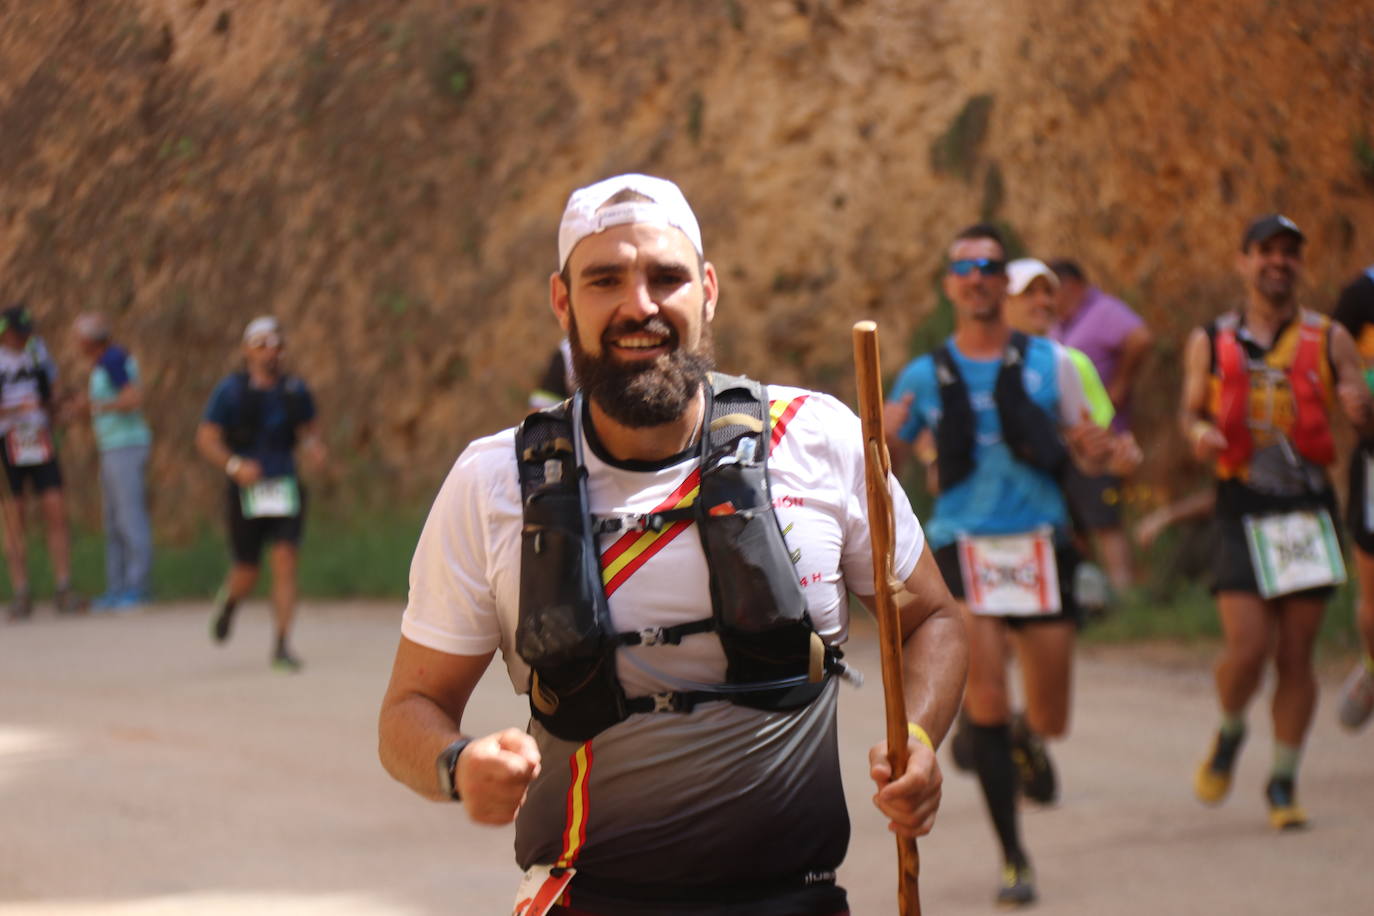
(256, 418)
(1259, 386)
(1116, 339)
(29, 455)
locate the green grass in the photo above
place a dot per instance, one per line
(340, 558)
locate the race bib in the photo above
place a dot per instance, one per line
(1293, 551)
(540, 890)
(276, 497)
(28, 445)
(1011, 575)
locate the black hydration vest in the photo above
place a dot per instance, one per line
(775, 659)
(242, 434)
(1030, 433)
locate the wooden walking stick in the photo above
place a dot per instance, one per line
(867, 373)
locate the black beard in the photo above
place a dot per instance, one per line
(643, 393)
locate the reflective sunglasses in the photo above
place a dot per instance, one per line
(985, 266)
(264, 341)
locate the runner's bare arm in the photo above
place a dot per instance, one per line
(895, 414)
(210, 444)
(422, 714)
(935, 656)
(1351, 390)
(1203, 438)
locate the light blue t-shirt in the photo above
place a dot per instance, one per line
(116, 429)
(1002, 495)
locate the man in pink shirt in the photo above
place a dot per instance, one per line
(1116, 339)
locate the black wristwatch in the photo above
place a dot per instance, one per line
(447, 765)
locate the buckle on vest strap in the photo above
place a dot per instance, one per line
(666, 702)
(651, 636)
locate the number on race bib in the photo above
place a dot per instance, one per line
(276, 497)
(1294, 551)
(1011, 575)
(28, 445)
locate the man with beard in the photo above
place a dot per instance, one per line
(1260, 384)
(616, 549)
(255, 420)
(1004, 410)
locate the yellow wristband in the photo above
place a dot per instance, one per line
(919, 734)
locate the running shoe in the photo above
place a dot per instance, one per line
(117, 602)
(223, 620)
(1357, 698)
(1034, 770)
(21, 605)
(283, 660)
(1018, 885)
(68, 601)
(1284, 813)
(1213, 779)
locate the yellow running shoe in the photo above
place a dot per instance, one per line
(1213, 779)
(1284, 813)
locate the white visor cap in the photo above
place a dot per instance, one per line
(1022, 271)
(585, 215)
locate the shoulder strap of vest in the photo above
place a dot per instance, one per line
(1015, 354)
(737, 409)
(544, 446)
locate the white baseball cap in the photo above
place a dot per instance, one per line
(1022, 271)
(585, 214)
(265, 326)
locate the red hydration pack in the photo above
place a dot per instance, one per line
(1311, 430)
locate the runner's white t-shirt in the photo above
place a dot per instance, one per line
(465, 575)
(19, 371)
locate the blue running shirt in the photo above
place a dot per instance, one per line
(1002, 495)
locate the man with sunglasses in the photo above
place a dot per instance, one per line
(1006, 411)
(256, 418)
(1261, 386)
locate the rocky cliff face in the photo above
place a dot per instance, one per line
(386, 177)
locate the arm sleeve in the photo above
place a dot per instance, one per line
(452, 607)
(1073, 403)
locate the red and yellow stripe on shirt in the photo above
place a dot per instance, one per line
(633, 549)
(575, 831)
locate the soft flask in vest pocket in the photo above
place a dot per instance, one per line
(564, 621)
(761, 611)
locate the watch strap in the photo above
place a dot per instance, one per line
(447, 764)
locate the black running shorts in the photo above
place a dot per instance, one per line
(247, 536)
(1066, 562)
(45, 476)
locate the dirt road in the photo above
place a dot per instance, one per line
(143, 771)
